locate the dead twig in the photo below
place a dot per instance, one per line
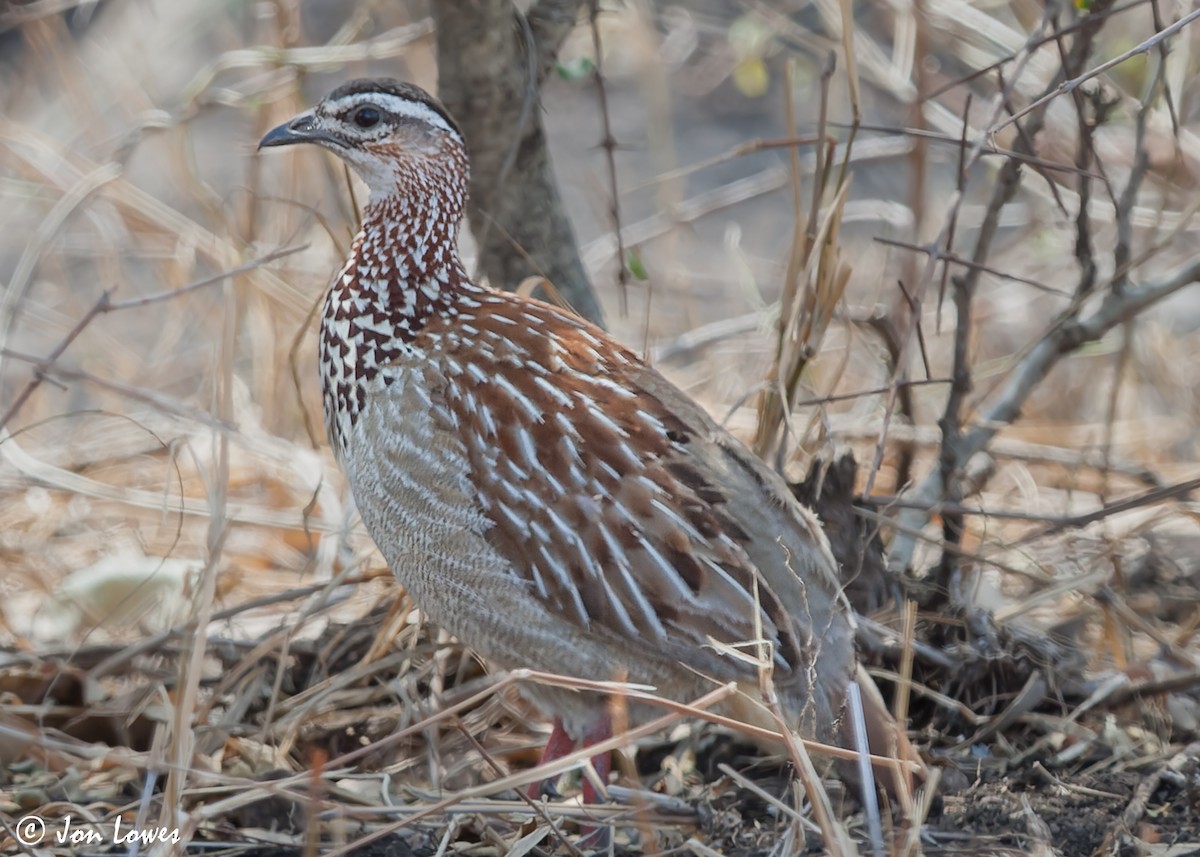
(104, 304)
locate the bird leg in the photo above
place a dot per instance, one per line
(561, 744)
(558, 745)
(601, 730)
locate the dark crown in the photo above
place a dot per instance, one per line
(388, 86)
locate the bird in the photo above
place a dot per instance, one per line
(542, 492)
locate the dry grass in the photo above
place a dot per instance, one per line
(196, 633)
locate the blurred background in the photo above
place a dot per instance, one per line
(162, 456)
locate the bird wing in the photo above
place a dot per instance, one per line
(623, 505)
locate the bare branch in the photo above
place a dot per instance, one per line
(609, 144)
(1075, 82)
(1065, 336)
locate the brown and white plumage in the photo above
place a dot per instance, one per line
(543, 493)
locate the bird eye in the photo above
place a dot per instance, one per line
(366, 117)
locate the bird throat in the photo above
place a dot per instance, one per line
(403, 272)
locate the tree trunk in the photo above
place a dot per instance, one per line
(491, 64)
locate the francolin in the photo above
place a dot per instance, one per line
(541, 492)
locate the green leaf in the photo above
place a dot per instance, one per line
(635, 266)
(576, 69)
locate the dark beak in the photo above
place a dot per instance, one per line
(299, 130)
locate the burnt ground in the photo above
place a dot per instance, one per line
(1045, 775)
(1077, 817)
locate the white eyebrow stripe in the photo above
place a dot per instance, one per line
(392, 104)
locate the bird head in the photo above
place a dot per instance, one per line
(390, 132)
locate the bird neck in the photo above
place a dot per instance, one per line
(404, 271)
(405, 262)
(404, 268)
